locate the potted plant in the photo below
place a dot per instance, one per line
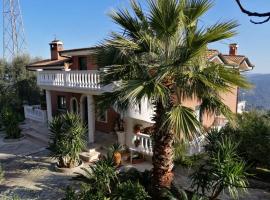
(137, 128)
(67, 140)
(116, 150)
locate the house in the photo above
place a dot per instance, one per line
(71, 81)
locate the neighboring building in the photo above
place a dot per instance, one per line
(71, 82)
(241, 107)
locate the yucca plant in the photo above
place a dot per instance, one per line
(223, 170)
(160, 55)
(67, 139)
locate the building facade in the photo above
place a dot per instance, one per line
(71, 81)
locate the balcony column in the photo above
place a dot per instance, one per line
(49, 105)
(91, 118)
(129, 131)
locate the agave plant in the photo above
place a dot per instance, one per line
(160, 55)
(67, 139)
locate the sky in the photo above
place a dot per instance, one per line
(83, 23)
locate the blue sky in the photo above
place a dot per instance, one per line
(83, 23)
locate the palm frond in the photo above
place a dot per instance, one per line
(194, 9)
(212, 104)
(183, 122)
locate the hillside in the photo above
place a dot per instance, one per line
(259, 96)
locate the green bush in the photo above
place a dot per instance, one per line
(222, 170)
(102, 175)
(1, 174)
(181, 157)
(10, 121)
(253, 133)
(67, 139)
(130, 190)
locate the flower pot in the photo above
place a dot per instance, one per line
(68, 170)
(10, 140)
(117, 158)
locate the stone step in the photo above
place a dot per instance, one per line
(91, 148)
(90, 157)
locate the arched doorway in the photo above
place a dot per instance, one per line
(74, 105)
(84, 109)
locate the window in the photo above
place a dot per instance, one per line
(83, 63)
(61, 103)
(102, 116)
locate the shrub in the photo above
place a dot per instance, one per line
(131, 191)
(181, 157)
(102, 175)
(222, 170)
(10, 120)
(1, 174)
(67, 139)
(70, 194)
(253, 132)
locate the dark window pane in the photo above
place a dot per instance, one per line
(82, 63)
(61, 102)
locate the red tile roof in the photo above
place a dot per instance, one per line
(239, 61)
(49, 63)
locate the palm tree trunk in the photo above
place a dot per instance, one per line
(162, 153)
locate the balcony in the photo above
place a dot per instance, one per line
(71, 81)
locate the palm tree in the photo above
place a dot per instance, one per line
(160, 55)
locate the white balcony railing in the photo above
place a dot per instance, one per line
(35, 113)
(88, 79)
(146, 146)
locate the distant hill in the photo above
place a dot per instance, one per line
(259, 96)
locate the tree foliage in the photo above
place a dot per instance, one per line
(17, 84)
(253, 133)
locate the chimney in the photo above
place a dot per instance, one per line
(233, 49)
(56, 46)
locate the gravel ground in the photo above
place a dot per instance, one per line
(30, 176)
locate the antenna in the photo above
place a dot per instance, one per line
(14, 43)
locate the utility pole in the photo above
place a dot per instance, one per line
(14, 43)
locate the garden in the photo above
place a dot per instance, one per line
(158, 55)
